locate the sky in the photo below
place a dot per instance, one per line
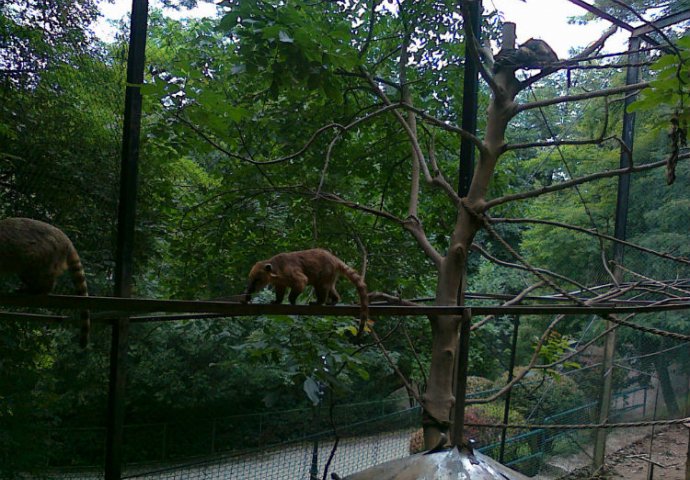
(543, 19)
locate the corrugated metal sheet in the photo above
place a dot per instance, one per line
(450, 464)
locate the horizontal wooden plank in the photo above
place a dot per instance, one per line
(129, 306)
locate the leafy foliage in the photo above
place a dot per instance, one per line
(244, 140)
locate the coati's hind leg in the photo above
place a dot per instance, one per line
(322, 294)
(333, 296)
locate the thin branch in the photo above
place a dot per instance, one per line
(414, 354)
(438, 180)
(391, 299)
(331, 197)
(521, 375)
(595, 141)
(395, 368)
(582, 96)
(664, 286)
(446, 126)
(590, 232)
(503, 263)
(515, 300)
(594, 47)
(471, 46)
(311, 140)
(576, 181)
(558, 143)
(370, 33)
(406, 97)
(329, 152)
(385, 81)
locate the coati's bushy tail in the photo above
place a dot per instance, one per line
(358, 282)
(76, 270)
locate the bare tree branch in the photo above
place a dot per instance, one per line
(503, 263)
(446, 126)
(521, 375)
(437, 180)
(582, 96)
(594, 47)
(331, 197)
(576, 181)
(472, 48)
(596, 234)
(686, 293)
(517, 299)
(406, 97)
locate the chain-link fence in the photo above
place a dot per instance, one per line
(360, 445)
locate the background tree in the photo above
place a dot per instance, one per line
(285, 125)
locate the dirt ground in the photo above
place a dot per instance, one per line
(669, 450)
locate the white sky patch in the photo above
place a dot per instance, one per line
(123, 8)
(548, 21)
(543, 19)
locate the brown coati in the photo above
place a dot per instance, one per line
(38, 253)
(295, 270)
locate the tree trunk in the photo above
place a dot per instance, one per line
(438, 398)
(666, 386)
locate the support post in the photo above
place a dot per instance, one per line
(506, 407)
(632, 76)
(466, 171)
(687, 455)
(470, 90)
(125, 237)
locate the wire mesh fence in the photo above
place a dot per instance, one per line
(650, 373)
(207, 449)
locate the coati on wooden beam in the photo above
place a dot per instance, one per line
(38, 253)
(295, 270)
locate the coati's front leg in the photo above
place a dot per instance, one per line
(280, 293)
(321, 295)
(294, 293)
(297, 285)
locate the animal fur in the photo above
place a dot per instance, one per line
(533, 54)
(38, 253)
(295, 270)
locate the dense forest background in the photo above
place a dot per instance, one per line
(232, 171)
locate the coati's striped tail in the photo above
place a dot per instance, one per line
(358, 282)
(76, 270)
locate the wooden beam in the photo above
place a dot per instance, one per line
(145, 305)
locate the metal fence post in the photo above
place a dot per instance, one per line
(125, 237)
(165, 441)
(506, 408)
(632, 76)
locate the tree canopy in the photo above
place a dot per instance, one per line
(280, 126)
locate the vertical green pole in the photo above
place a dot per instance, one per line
(632, 76)
(125, 237)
